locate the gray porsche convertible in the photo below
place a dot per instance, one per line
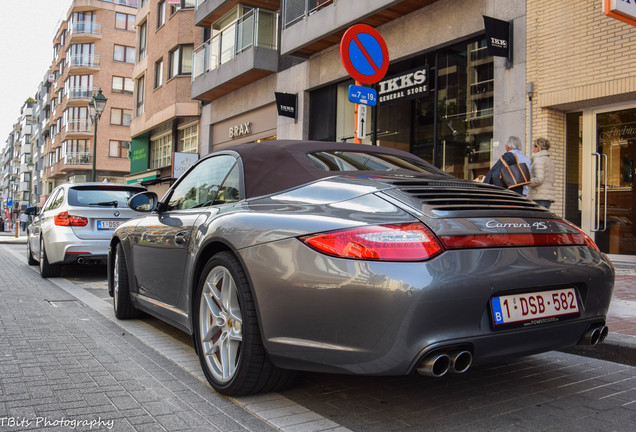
(282, 256)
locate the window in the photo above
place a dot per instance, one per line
(161, 151)
(140, 95)
(119, 149)
(161, 13)
(122, 85)
(142, 40)
(158, 73)
(213, 181)
(183, 4)
(124, 54)
(180, 61)
(188, 139)
(120, 117)
(124, 21)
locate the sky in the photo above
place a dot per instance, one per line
(27, 28)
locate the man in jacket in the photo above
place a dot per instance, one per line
(513, 147)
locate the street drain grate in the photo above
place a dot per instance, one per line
(63, 303)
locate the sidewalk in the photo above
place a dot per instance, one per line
(66, 367)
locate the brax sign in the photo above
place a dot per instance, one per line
(408, 85)
(241, 130)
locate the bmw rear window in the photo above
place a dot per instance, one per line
(105, 196)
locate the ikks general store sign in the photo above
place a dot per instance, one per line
(624, 10)
(406, 85)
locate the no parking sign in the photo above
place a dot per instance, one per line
(364, 54)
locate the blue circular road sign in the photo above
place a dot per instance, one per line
(364, 54)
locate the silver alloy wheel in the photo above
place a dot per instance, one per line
(116, 279)
(220, 324)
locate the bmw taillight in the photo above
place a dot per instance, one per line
(400, 242)
(65, 219)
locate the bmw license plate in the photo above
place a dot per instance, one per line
(535, 307)
(107, 225)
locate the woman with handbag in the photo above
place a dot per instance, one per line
(541, 188)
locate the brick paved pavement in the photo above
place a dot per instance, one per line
(62, 365)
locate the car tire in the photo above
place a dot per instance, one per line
(47, 270)
(227, 335)
(122, 303)
(30, 259)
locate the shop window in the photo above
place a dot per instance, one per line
(447, 118)
(188, 139)
(161, 151)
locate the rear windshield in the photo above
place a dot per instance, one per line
(105, 196)
(361, 161)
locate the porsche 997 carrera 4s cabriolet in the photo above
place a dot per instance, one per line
(282, 256)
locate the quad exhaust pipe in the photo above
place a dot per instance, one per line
(440, 363)
(595, 335)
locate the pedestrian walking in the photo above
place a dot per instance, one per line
(513, 154)
(24, 221)
(541, 188)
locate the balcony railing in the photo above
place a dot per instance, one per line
(257, 28)
(78, 158)
(91, 61)
(79, 125)
(80, 93)
(86, 27)
(297, 10)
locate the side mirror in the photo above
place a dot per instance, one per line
(32, 211)
(144, 202)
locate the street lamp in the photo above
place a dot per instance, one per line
(95, 109)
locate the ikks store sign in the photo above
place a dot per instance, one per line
(407, 85)
(624, 10)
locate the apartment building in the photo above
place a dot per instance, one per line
(94, 48)
(16, 165)
(165, 123)
(582, 67)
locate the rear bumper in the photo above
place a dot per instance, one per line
(66, 248)
(334, 315)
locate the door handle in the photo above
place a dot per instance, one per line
(601, 165)
(597, 221)
(181, 238)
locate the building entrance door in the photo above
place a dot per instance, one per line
(600, 192)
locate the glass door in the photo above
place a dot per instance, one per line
(599, 194)
(613, 162)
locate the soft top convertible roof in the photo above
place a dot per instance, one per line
(277, 165)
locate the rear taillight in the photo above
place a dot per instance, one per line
(567, 237)
(64, 219)
(402, 242)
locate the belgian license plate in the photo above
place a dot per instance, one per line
(107, 225)
(534, 307)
